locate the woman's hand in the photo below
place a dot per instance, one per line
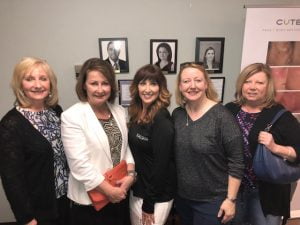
(114, 194)
(32, 222)
(267, 139)
(126, 182)
(147, 219)
(227, 211)
(286, 152)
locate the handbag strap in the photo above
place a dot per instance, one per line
(276, 117)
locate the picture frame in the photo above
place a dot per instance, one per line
(115, 51)
(210, 52)
(124, 92)
(77, 70)
(163, 53)
(219, 85)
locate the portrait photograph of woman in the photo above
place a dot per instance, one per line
(164, 54)
(209, 51)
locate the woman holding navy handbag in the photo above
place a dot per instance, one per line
(263, 203)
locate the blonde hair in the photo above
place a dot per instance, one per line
(25, 66)
(210, 92)
(249, 71)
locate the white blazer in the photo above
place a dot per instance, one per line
(87, 148)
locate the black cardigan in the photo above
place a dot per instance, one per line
(275, 198)
(27, 169)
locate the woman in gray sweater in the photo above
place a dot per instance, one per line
(208, 151)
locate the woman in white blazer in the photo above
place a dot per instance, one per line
(94, 135)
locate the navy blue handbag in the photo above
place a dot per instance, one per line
(273, 168)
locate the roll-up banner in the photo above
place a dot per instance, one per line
(272, 36)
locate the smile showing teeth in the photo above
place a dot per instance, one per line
(147, 96)
(99, 96)
(37, 91)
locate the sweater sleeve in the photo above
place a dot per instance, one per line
(233, 145)
(162, 145)
(286, 132)
(12, 164)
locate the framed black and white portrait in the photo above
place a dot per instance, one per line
(124, 92)
(77, 70)
(219, 84)
(115, 51)
(163, 53)
(210, 51)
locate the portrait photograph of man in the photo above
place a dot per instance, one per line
(115, 51)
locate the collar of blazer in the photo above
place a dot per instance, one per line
(95, 127)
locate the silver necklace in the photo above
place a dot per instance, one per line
(187, 120)
(187, 117)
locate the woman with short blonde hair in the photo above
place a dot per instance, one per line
(262, 203)
(33, 166)
(19, 72)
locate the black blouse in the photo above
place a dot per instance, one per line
(152, 148)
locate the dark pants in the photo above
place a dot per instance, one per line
(63, 204)
(198, 213)
(112, 214)
(249, 211)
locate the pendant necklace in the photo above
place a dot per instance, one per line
(187, 117)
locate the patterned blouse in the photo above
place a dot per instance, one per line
(114, 138)
(48, 124)
(246, 121)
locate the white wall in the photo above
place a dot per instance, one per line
(66, 32)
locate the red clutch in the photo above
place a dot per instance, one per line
(98, 199)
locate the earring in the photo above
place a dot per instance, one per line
(50, 95)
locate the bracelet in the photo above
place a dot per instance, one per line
(288, 155)
(233, 200)
(132, 173)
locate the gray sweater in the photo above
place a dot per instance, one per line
(207, 150)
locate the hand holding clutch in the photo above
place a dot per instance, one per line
(100, 200)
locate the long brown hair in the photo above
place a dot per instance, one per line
(152, 73)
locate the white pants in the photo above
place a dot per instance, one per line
(161, 211)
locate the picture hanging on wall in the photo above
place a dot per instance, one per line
(163, 53)
(77, 70)
(124, 95)
(219, 84)
(115, 51)
(210, 51)
(284, 59)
